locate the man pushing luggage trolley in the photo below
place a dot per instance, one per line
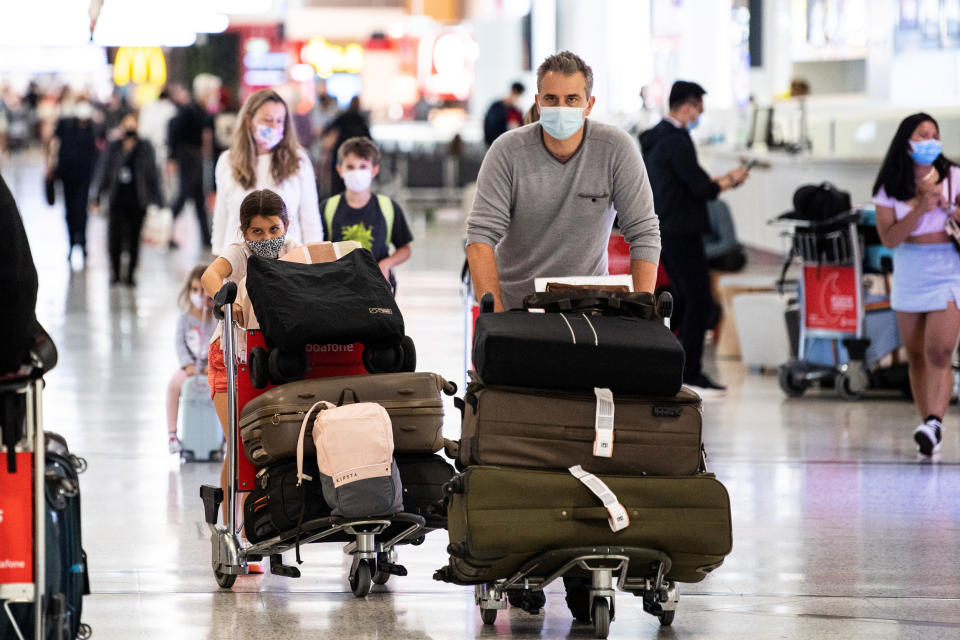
(545, 190)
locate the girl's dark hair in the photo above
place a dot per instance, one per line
(262, 202)
(896, 173)
(195, 274)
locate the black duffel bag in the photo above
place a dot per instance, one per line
(595, 302)
(817, 202)
(340, 302)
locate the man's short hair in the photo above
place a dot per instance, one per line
(683, 92)
(567, 63)
(360, 146)
(517, 88)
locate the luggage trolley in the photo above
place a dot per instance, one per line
(835, 308)
(371, 541)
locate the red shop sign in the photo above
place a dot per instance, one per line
(830, 298)
(16, 521)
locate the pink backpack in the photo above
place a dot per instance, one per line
(354, 446)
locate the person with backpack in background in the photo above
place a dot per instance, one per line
(503, 114)
(373, 220)
(916, 196)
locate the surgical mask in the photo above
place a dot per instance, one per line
(268, 137)
(924, 152)
(358, 180)
(197, 300)
(693, 124)
(267, 248)
(561, 122)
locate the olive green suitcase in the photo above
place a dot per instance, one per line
(498, 518)
(548, 429)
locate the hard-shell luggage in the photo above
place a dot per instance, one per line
(423, 477)
(66, 580)
(199, 426)
(354, 453)
(499, 517)
(578, 350)
(547, 429)
(270, 423)
(277, 505)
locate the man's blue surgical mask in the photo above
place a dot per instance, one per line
(693, 124)
(924, 152)
(561, 122)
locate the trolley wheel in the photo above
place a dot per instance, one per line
(666, 618)
(791, 386)
(187, 456)
(846, 387)
(225, 580)
(488, 616)
(360, 580)
(601, 617)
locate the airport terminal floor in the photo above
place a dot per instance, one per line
(839, 530)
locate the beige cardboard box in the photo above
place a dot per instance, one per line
(312, 253)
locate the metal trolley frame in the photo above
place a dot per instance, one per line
(374, 539)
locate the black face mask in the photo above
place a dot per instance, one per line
(130, 134)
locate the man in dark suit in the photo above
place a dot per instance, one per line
(681, 189)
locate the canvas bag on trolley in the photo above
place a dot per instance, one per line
(354, 446)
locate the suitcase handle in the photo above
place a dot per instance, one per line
(584, 513)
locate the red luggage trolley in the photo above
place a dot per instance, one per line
(371, 541)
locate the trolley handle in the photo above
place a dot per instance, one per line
(850, 215)
(226, 295)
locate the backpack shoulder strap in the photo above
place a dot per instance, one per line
(329, 210)
(386, 208)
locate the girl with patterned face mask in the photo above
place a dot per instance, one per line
(263, 226)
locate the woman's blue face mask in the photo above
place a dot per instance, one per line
(924, 152)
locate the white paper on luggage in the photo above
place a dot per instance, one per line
(618, 514)
(603, 443)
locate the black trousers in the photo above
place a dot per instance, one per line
(123, 234)
(190, 168)
(76, 196)
(686, 266)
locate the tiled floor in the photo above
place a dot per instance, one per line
(839, 531)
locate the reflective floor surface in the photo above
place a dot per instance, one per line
(839, 530)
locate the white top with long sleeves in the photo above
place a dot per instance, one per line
(299, 193)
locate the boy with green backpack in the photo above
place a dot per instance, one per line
(373, 220)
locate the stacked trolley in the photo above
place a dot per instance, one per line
(582, 459)
(270, 402)
(843, 331)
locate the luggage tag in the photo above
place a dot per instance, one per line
(603, 443)
(618, 514)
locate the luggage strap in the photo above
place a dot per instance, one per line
(603, 442)
(618, 514)
(301, 476)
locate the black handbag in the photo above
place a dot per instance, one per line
(340, 302)
(817, 202)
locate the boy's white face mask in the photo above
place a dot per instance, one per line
(358, 179)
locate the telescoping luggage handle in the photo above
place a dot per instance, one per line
(618, 514)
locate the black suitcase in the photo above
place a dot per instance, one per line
(578, 351)
(423, 478)
(66, 579)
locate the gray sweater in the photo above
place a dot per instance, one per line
(547, 218)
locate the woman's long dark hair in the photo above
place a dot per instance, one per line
(896, 173)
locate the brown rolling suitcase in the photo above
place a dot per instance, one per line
(270, 423)
(546, 429)
(498, 518)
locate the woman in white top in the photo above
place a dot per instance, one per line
(915, 195)
(265, 154)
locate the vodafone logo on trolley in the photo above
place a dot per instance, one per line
(16, 521)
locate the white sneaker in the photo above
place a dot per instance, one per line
(928, 436)
(175, 445)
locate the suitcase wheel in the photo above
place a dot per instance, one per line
(257, 368)
(384, 358)
(284, 366)
(488, 616)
